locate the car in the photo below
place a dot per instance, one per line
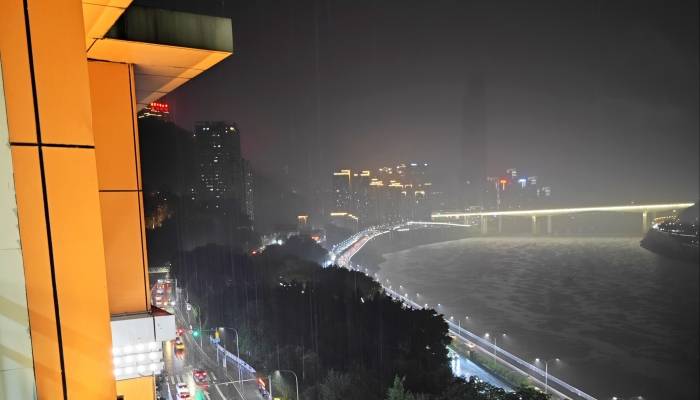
(183, 391)
(159, 290)
(200, 377)
(179, 346)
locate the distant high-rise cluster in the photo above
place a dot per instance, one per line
(365, 197)
(514, 191)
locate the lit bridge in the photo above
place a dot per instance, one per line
(644, 209)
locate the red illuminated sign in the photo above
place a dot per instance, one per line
(160, 107)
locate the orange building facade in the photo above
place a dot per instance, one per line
(74, 289)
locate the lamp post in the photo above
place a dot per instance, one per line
(495, 341)
(238, 353)
(278, 372)
(546, 371)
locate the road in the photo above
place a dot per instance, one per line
(343, 253)
(223, 383)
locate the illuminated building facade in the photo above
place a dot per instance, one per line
(390, 194)
(156, 109)
(219, 165)
(512, 191)
(76, 320)
(342, 190)
(249, 190)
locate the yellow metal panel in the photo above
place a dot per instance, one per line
(152, 83)
(144, 249)
(135, 126)
(37, 272)
(166, 70)
(81, 281)
(178, 63)
(127, 284)
(98, 19)
(15, 69)
(155, 54)
(60, 65)
(112, 115)
(137, 389)
(111, 3)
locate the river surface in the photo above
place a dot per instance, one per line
(623, 320)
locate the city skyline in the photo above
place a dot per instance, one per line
(367, 200)
(583, 123)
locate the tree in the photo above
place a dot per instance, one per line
(398, 392)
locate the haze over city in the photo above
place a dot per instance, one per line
(356, 200)
(585, 93)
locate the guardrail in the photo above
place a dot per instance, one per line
(485, 344)
(227, 354)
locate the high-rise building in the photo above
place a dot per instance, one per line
(360, 193)
(249, 190)
(76, 320)
(511, 192)
(342, 190)
(219, 184)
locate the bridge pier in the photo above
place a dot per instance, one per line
(500, 224)
(484, 225)
(549, 225)
(534, 225)
(645, 222)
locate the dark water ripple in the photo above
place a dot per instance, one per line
(623, 320)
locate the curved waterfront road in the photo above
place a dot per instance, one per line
(342, 254)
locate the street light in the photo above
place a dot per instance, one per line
(238, 353)
(278, 372)
(495, 341)
(546, 371)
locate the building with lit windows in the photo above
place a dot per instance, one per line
(342, 190)
(219, 164)
(512, 191)
(76, 320)
(249, 190)
(391, 194)
(156, 109)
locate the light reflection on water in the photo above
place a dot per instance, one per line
(623, 320)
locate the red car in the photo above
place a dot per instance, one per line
(200, 377)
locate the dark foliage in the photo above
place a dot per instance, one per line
(334, 327)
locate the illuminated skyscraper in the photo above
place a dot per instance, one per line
(249, 190)
(342, 190)
(219, 165)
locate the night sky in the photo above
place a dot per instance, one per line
(597, 98)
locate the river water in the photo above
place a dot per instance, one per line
(622, 320)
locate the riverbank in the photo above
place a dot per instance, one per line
(596, 303)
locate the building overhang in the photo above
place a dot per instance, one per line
(99, 16)
(167, 48)
(137, 342)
